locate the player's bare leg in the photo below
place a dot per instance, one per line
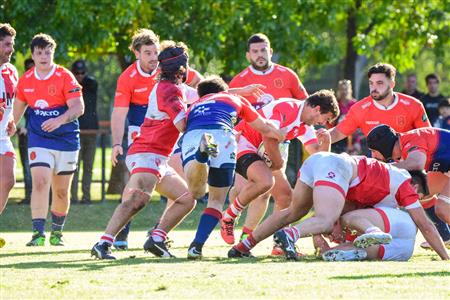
(60, 206)
(259, 181)
(302, 201)
(173, 187)
(135, 196)
(442, 206)
(7, 179)
(41, 178)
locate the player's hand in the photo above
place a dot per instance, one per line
(116, 151)
(323, 136)
(11, 128)
(2, 109)
(254, 90)
(52, 124)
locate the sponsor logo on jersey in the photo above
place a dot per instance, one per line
(401, 121)
(46, 113)
(140, 90)
(41, 103)
(32, 155)
(366, 105)
(424, 117)
(28, 90)
(77, 89)
(372, 122)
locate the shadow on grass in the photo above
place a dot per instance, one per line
(414, 274)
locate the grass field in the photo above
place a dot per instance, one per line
(69, 272)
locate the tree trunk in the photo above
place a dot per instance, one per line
(351, 55)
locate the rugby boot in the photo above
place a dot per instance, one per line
(344, 255)
(56, 238)
(102, 251)
(37, 239)
(372, 238)
(158, 249)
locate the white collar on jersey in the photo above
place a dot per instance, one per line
(52, 71)
(382, 107)
(138, 67)
(257, 72)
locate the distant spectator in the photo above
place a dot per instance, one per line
(23, 147)
(344, 95)
(411, 87)
(432, 99)
(443, 121)
(88, 139)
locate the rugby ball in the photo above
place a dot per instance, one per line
(284, 150)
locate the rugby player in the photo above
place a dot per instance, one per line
(297, 119)
(55, 100)
(147, 158)
(419, 149)
(131, 99)
(279, 82)
(209, 140)
(8, 83)
(327, 181)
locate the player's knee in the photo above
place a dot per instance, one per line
(61, 193)
(265, 183)
(40, 183)
(327, 226)
(346, 219)
(8, 182)
(133, 204)
(198, 191)
(443, 213)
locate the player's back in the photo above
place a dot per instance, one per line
(158, 132)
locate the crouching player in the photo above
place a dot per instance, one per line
(419, 149)
(398, 244)
(148, 155)
(209, 140)
(326, 182)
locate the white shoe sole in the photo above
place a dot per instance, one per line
(344, 255)
(370, 239)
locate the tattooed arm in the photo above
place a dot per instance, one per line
(76, 109)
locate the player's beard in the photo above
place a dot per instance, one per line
(380, 96)
(5, 57)
(259, 67)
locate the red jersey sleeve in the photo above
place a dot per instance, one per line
(72, 89)
(191, 75)
(248, 113)
(350, 122)
(19, 90)
(421, 118)
(413, 143)
(406, 195)
(123, 95)
(297, 88)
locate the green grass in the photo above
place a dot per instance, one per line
(68, 272)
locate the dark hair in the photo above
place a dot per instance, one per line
(327, 102)
(411, 75)
(143, 37)
(382, 68)
(257, 38)
(210, 85)
(6, 30)
(420, 178)
(382, 138)
(432, 76)
(444, 103)
(42, 41)
(173, 60)
(28, 63)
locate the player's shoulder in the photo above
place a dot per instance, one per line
(27, 75)
(9, 67)
(130, 72)
(408, 100)
(362, 105)
(167, 88)
(61, 71)
(284, 70)
(244, 73)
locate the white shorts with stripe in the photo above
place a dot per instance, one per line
(61, 162)
(148, 162)
(7, 148)
(403, 230)
(327, 169)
